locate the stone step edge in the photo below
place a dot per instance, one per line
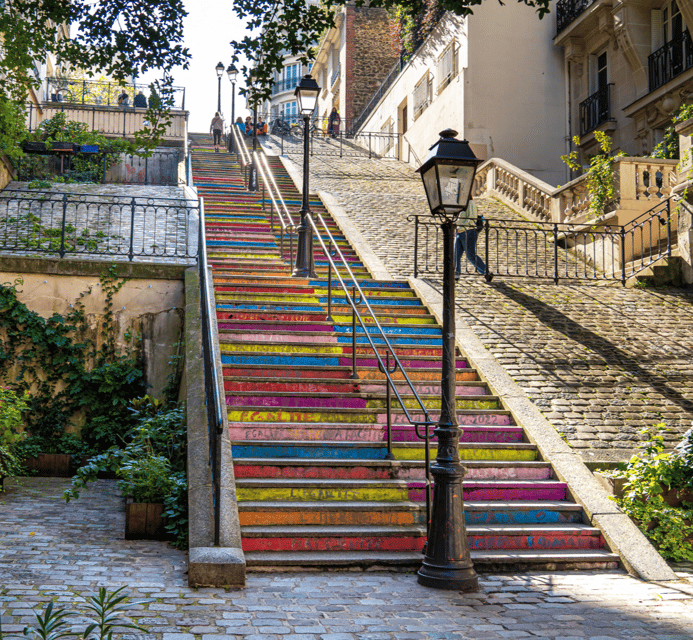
(392, 483)
(349, 381)
(524, 446)
(302, 559)
(333, 531)
(351, 462)
(403, 505)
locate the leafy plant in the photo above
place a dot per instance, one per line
(647, 476)
(107, 607)
(668, 148)
(151, 466)
(12, 406)
(9, 464)
(600, 175)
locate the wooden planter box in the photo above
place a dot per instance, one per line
(143, 521)
(57, 465)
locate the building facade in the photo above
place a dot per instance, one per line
(352, 60)
(629, 67)
(495, 78)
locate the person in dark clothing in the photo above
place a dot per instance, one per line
(216, 129)
(333, 123)
(466, 243)
(140, 101)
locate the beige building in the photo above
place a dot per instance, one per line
(629, 67)
(493, 77)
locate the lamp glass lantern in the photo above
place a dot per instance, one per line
(448, 175)
(220, 70)
(232, 72)
(307, 93)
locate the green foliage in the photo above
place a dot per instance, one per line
(647, 475)
(67, 375)
(409, 30)
(669, 147)
(600, 175)
(107, 609)
(60, 129)
(12, 127)
(275, 28)
(9, 464)
(151, 465)
(12, 406)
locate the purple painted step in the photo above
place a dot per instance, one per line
(519, 490)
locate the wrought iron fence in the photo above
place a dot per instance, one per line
(106, 93)
(595, 110)
(555, 250)
(675, 57)
(569, 10)
(97, 225)
(342, 144)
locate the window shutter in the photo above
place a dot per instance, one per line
(656, 30)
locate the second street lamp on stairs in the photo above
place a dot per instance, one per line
(306, 93)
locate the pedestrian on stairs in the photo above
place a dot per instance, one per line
(466, 242)
(216, 129)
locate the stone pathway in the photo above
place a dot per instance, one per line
(601, 362)
(49, 549)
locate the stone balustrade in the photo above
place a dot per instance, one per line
(640, 183)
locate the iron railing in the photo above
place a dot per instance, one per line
(569, 10)
(212, 375)
(71, 224)
(595, 110)
(342, 143)
(675, 57)
(104, 93)
(288, 84)
(556, 250)
(370, 328)
(335, 74)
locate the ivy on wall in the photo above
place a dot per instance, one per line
(409, 29)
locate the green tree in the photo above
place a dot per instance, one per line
(120, 38)
(275, 27)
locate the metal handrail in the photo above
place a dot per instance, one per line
(354, 299)
(211, 358)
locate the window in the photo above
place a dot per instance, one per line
(289, 111)
(447, 66)
(599, 72)
(422, 95)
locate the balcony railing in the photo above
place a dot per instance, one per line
(569, 10)
(335, 74)
(119, 122)
(288, 84)
(103, 93)
(595, 110)
(675, 57)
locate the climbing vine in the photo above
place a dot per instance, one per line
(68, 377)
(600, 175)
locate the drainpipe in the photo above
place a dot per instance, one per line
(569, 136)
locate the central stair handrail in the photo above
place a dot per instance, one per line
(356, 297)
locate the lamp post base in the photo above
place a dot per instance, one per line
(462, 579)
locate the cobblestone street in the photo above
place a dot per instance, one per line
(601, 362)
(49, 549)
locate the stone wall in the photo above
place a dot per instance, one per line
(372, 58)
(5, 171)
(150, 306)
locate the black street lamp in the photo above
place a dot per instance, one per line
(233, 74)
(306, 93)
(220, 72)
(448, 174)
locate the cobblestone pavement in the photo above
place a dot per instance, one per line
(601, 362)
(163, 226)
(49, 549)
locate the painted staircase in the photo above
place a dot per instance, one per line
(309, 442)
